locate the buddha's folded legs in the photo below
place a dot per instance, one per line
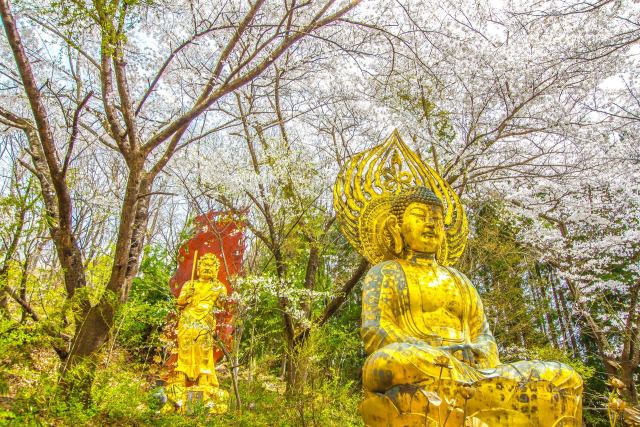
(545, 393)
(408, 363)
(536, 393)
(563, 377)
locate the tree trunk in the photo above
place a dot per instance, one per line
(561, 318)
(22, 288)
(547, 322)
(630, 353)
(626, 372)
(79, 370)
(297, 365)
(542, 300)
(575, 348)
(49, 171)
(93, 331)
(313, 264)
(138, 238)
(297, 369)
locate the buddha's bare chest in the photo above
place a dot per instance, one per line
(433, 292)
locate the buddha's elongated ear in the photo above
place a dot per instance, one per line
(393, 228)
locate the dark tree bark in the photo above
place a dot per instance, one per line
(49, 171)
(560, 315)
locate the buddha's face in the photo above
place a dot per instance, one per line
(207, 269)
(423, 227)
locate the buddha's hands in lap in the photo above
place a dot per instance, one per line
(470, 352)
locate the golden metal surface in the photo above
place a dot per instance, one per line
(432, 357)
(362, 193)
(194, 381)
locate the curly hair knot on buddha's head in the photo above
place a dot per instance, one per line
(419, 194)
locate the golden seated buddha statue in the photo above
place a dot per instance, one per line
(432, 357)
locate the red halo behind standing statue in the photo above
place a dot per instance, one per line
(222, 234)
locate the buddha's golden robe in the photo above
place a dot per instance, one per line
(196, 327)
(412, 309)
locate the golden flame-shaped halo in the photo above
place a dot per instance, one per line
(364, 190)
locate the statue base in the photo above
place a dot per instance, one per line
(187, 400)
(533, 405)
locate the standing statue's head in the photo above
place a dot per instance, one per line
(416, 222)
(208, 266)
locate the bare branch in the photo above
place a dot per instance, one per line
(74, 132)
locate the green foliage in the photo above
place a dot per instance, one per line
(124, 391)
(24, 353)
(34, 395)
(547, 352)
(330, 396)
(98, 273)
(333, 403)
(500, 267)
(112, 18)
(140, 320)
(185, 233)
(120, 396)
(17, 341)
(550, 353)
(123, 395)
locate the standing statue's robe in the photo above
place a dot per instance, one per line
(196, 328)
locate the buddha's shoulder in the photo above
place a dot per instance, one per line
(453, 272)
(461, 278)
(398, 267)
(385, 268)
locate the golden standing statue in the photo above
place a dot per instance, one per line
(194, 378)
(432, 357)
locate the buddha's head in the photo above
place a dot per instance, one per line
(417, 222)
(208, 266)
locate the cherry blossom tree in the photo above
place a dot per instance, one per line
(142, 92)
